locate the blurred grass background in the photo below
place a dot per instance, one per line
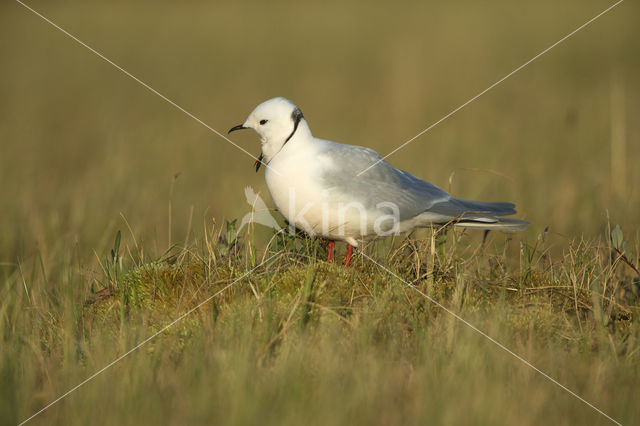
(82, 146)
(82, 143)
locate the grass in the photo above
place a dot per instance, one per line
(87, 154)
(300, 340)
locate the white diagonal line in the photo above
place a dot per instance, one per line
(139, 345)
(491, 339)
(145, 85)
(493, 85)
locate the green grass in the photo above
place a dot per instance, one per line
(302, 341)
(86, 153)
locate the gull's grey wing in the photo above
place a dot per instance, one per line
(385, 183)
(381, 183)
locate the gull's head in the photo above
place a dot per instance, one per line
(276, 121)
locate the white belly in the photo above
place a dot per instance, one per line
(295, 184)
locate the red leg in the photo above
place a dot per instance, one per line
(330, 254)
(349, 252)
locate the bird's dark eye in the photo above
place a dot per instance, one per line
(263, 122)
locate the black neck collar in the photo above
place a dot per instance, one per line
(296, 116)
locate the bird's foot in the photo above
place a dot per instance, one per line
(349, 252)
(330, 251)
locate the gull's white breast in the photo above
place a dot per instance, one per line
(295, 180)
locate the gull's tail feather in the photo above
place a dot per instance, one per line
(498, 224)
(490, 208)
(479, 214)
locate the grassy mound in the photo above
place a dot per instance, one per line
(282, 337)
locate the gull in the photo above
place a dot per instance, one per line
(315, 185)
